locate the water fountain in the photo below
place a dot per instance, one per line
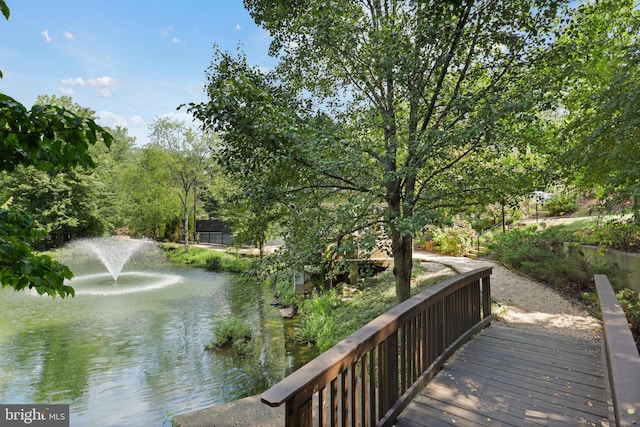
(130, 351)
(114, 254)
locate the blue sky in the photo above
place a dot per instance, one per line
(128, 60)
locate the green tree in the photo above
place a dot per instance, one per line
(389, 107)
(187, 159)
(45, 137)
(595, 65)
(149, 207)
(64, 202)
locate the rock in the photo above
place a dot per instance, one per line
(287, 313)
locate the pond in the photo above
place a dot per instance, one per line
(123, 358)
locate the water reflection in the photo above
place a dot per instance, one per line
(129, 359)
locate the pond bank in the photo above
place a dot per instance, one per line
(249, 411)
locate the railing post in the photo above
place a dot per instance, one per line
(486, 297)
(299, 416)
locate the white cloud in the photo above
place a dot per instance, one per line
(103, 92)
(105, 81)
(68, 35)
(102, 85)
(137, 121)
(66, 91)
(107, 118)
(175, 40)
(78, 81)
(45, 33)
(238, 27)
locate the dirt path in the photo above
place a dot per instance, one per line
(526, 303)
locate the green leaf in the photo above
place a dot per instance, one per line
(5, 9)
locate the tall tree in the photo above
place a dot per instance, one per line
(64, 201)
(187, 161)
(389, 103)
(595, 65)
(45, 137)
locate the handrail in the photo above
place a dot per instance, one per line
(373, 374)
(621, 356)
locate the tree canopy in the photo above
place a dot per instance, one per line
(391, 108)
(594, 67)
(45, 137)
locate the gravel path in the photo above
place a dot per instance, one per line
(526, 303)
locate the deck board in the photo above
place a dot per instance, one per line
(512, 377)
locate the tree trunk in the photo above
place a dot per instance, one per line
(186, 229)
(402, 264)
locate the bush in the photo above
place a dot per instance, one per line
(620, 234)
(233, 333)
(541, 254)
(214, 263)
(284, 289)
(456, 239)
(630, 302)
(561, 204)
(201, 257)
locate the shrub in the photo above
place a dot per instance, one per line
(618, 234)
(541, 255)
(285, 291)
(233, 333)
(214, 263)
(561, 204)
(454, 240)
(630, 302)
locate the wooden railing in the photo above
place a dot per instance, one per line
(621, 356)
(368, 378)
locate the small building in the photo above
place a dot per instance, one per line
(214, 232)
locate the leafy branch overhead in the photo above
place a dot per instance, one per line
(50, 138)
(46, 137)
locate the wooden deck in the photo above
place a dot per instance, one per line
(510, 377)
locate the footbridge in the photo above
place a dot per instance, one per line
(436, 360)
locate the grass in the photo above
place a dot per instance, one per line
(232, 333)
(327, 318)
(207, 258)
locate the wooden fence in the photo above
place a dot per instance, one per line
(621, 356)
(368, 378)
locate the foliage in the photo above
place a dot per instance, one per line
(285, 291)
(198, 257)
(63, 202)
(541, 255)
(561, 204)
(630, 302)
(328, 317)
(185, 155)
(48, 138)
(20, 267)
(398, 112)
(234, 333)
(213, 263)
(454, 239)
(594, 69)
(621, 234)
(150, 209)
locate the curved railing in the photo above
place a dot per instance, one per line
(621, 356)
(368, 378)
